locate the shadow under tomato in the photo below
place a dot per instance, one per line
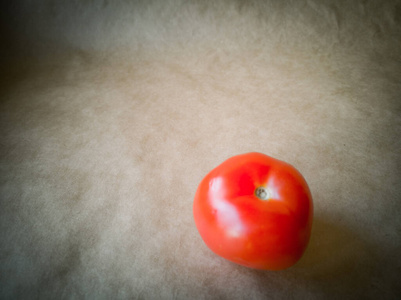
(336, 262)
(334, 250)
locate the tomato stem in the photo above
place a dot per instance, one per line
(262, 193)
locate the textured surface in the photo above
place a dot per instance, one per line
(112, 112)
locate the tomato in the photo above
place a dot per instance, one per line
(255, 211)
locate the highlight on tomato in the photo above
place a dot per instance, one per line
(256, 211)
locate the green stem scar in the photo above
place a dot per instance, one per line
(262, 193)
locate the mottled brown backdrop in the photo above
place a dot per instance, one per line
(113, 111)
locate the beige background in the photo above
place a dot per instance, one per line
(113, 111)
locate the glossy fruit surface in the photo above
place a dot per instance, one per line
(256, 211)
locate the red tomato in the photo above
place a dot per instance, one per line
(256, 211)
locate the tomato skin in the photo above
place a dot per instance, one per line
(238, 225)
